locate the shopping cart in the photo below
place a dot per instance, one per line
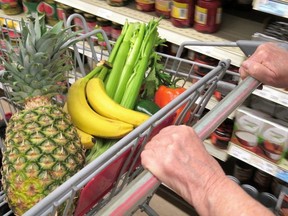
(102, 186)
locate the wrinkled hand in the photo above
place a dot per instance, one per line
(268, 64)
(177, 157)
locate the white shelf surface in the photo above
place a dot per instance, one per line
(232, 29)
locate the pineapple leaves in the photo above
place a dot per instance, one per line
(41, 60)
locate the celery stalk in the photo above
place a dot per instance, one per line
(146, 51)
(120, 60)
(130, 63)
(114, 51)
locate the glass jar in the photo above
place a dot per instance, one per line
(182, 13)
(117, 3)
(163, 8)
(207, 16)
(145, 5)
(11, 7)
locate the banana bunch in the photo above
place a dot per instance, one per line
(94, 112)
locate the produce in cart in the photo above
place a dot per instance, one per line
(42, 147)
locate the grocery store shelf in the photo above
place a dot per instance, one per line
(218, 153)
(275, 95)
(257, 161)
(275, 7)
(233, 28)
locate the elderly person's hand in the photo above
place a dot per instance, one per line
(268, 64)
(177, 157)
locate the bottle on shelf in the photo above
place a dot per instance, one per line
(207, 16)
(163, 8)
(145, 5)
(182, 13)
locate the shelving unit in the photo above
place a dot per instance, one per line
(233, 28)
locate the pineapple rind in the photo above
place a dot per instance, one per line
(39, 157)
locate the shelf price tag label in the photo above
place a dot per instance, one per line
(264, 165)
(239, 153)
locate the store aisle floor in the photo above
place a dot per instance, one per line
(165, 205)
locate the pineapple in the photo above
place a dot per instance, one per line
(42, 148)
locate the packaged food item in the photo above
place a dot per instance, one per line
(30, 6)
(11, 7)
(145, 5)
(163, 8)
(182, 13)
(207, 16)
(117, 3)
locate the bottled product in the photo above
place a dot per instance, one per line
(207, 16)
(182, 13)
(31, 6)
(11, 7)
(163, 8)
(145, 5)
(117, 3)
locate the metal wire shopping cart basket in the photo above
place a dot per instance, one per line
(111, 173)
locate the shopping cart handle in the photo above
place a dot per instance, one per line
(248, 47)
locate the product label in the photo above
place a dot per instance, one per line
(179, 10)
(201, 15)
(145, 1)
(219, 15)
(163, 5)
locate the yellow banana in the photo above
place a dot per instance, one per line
(106, 106)
(87, 120)
(87, 140)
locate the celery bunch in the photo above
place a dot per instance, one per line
(131, 57)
